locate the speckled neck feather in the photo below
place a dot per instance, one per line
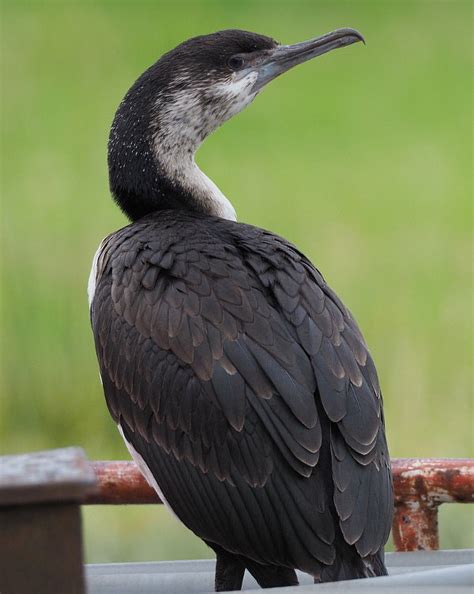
(159, 126)
(181, 124)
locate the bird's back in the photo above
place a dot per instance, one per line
(245, 386)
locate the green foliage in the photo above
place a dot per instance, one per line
(361, 158)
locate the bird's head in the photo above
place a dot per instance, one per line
(180, 100)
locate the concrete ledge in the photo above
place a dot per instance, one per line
(436, 571)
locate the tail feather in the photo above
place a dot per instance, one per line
(353, 567)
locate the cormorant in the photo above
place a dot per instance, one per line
(240, 382)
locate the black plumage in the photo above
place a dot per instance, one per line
(237, 374)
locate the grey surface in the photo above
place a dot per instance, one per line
(436, 571)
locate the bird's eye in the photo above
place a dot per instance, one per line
(236, 62)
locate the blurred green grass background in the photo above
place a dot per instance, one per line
(362, 158)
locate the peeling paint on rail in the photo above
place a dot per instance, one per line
(420, 487)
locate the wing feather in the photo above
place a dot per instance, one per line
(240, 377)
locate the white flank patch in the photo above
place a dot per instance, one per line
(140, 462)
(93, 275)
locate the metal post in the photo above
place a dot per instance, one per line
(40, 521)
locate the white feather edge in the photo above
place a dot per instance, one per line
(91, 283)
(140, 462)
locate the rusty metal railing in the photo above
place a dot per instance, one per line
(421, 486)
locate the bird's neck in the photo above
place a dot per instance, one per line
(152, 166)
(199, 192)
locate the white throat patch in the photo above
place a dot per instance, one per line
(183, 123)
